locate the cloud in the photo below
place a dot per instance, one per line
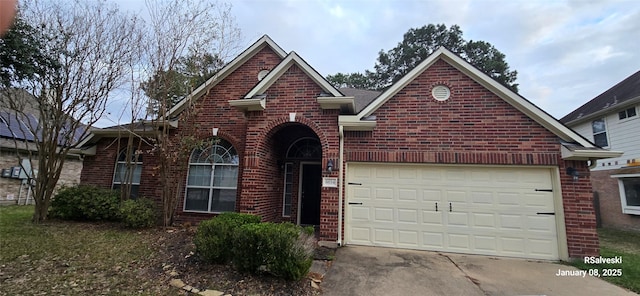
(566, 52)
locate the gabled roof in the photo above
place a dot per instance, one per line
(621, 95)
(363, 120)
(292, 59)
(330, 98)
(247, 54)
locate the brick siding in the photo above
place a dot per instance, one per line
(610, 205)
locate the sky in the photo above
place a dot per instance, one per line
(566, 52)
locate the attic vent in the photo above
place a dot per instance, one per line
(262, 74)
(441, 93)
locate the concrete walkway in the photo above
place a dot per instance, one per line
(359, 270)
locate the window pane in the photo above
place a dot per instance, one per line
(137, 171)
(224, 200)
(601, 139)
(632, 191)
(225, 176)
(121, 173)
(199, 175)
(622, 114)
(598, 126)
(631, 112)
(197, 199)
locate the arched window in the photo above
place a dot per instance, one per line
(128, 173)
(212, 178)
(305, 148)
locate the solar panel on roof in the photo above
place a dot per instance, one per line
(16, 127)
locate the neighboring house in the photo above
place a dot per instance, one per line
(611, 120)
(446, 159)
(16, 140)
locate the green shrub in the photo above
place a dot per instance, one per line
(283, 249)
(138, 213)
(84, 202)
(214, 237)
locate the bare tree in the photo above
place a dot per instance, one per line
(177, 30)
(86, 43)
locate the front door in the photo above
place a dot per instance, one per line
(310, 188)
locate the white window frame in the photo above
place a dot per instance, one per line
(626, 209)
(211, 186)
(626, 114)
(605, 132)
(288, 180)
(135, 163)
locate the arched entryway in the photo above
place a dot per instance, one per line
(299, 156)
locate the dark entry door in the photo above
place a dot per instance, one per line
(311, 187)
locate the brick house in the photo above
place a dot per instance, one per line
(611, 120)
(445, 159)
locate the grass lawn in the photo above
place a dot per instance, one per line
(74, 258)
(619, 243)
(68, 258)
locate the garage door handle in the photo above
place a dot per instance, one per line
(436, 206)
(450, 208)
(355, 203)
(353, 183)
(546, 213)
(545, 190)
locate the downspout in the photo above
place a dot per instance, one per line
(340, 183)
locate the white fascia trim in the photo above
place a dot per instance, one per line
(249, 104)
(353, 123)
(337, 103)
(228, 69)
(501, 91)
(588, 154)
(291, 59)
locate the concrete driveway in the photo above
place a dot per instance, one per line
(368, 271)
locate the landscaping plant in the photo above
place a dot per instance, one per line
(214, 236)
(84, 202)
(138, 213)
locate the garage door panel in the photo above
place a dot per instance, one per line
(510, 221)
(360, 214)
(543, 223)
(456, 196)
(433, 240)
(431, 195)
(383, 236)
(408, 194)
(458, 219)
(384, 193)
(383, 215)
(480, 197)
(458, 242)
(493, 209)
(408, 238)
(487, 220)
(432, 218)
(360, 235)
(361, 193)
(408, 216)
(485, 243)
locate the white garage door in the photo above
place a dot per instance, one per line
(467, 209)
